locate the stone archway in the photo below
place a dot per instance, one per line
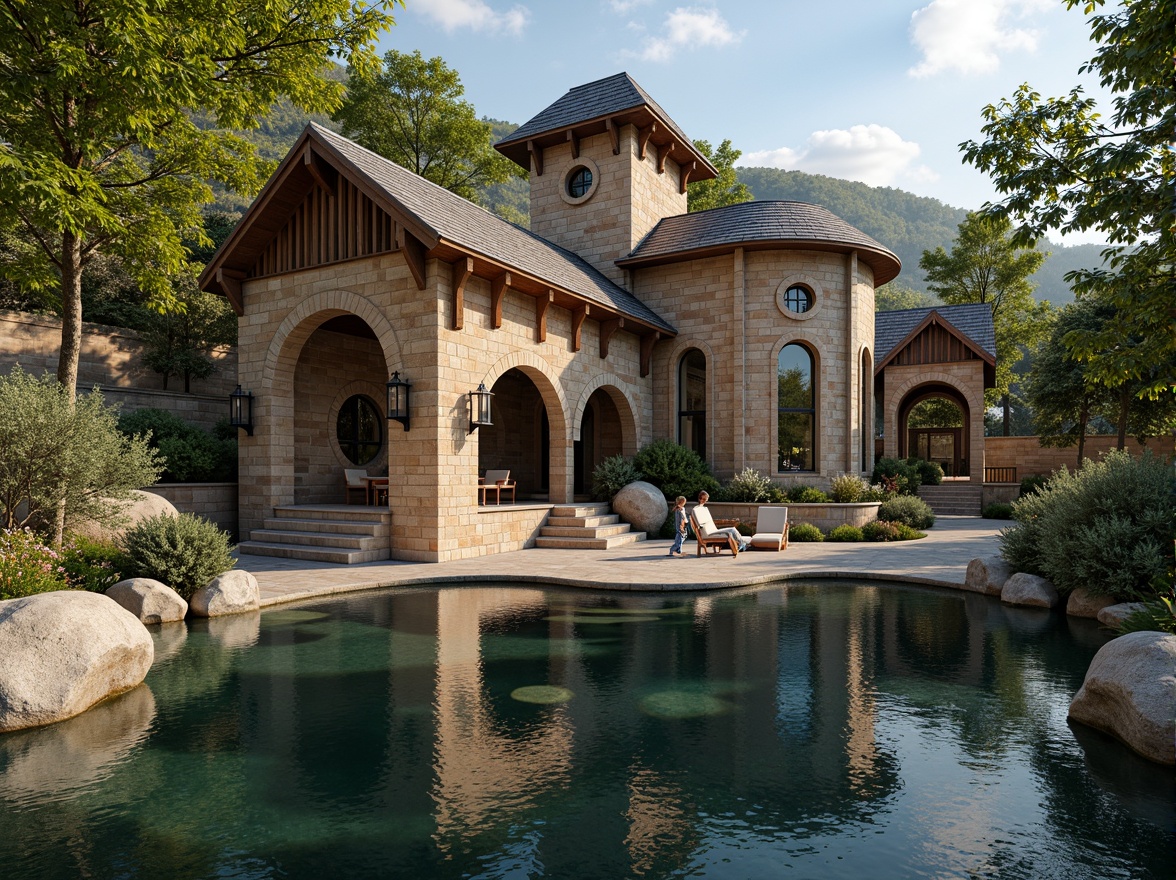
(949, 446)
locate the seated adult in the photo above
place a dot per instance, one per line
(744, 543)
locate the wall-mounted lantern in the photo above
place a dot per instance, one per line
(480, 408)
(398, 391)
(241, 410)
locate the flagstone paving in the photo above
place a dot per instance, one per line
(940, 559)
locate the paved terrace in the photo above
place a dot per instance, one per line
(940, 559)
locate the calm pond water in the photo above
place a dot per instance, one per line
(829, 730)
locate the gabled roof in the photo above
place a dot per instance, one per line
(586, 110)
(446, 224)
(759, 225)
(971, 322)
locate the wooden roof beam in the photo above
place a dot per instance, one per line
(541, 304)
(311, 162)
(575, 142)
(607, 329)
(498, 286)
(461, 270)
(578, 317)
(536, 152)
(647, 343)
(414, 254)
(615, 134)
(230, 282)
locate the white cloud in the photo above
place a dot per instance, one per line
(477, 16)
(625, 6)
(874, 154)
(689, 26)
(969, 36)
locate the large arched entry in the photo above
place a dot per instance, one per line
(935, 424)
(601, 436)
(520, 438)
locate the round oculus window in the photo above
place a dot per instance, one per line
(579, 182)
(358, 431)
(798, 299)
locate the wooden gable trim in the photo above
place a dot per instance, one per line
(460, 273)
(607, 329)
(310, 161)
(647, 343)
(935, 319)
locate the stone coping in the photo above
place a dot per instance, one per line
(939, 560)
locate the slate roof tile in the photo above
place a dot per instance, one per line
(974, 320)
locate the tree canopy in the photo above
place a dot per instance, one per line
(986, 266)
(411, 111)
(726, 189)
(1062, 166)
(101, 149)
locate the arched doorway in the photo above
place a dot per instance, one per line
(520, 438)
(601, 436)
(935, 425)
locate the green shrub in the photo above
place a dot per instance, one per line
(847, 488)
(776, 495)
(185, 552)
(807, 495)
(804, 532)
(28, 565)
(909, 509)
(190, 455)
(904, 477)
(1107, 527)
(880, 530)
(745, 529)
(612, 475)
(1032, 483)
(675, 469)
(930, 472)
(906, 533)
(1157, 616)
(874, 492)
(748, 486)
(997, 510)
(91, 565)
(846, 533)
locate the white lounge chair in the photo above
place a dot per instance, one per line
(771, 529)
(709, 535)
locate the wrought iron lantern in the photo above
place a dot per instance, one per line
(480, 408)
(398, 391)
(241, 410)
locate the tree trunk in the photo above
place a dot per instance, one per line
(71, 314)
(1124, 408)
(1005, 403)
(1083, 420)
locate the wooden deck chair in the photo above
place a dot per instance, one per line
(353, 482)
(705, 532)
(501, 481)
(771, 529)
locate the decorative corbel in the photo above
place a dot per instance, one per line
(575, 142)
(536, 158)
(460, 274)
(607, 329)
(647, 343)
(578, 317)
(615, 134)
(497, 294)
(663, 153)
(643, 137)
(541, 303)
(686, 171)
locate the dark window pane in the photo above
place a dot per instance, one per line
(798, 299)
(358, 430)
(795, 436)
(579, 183)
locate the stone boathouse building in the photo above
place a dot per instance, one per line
(747, 332)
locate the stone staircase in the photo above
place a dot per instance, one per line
(337, 533)
(585, 527)
(953, 499)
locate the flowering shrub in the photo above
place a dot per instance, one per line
(91, 565)
(748, 486)
(27, 566)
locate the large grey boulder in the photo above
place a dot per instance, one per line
(1083, 603)
(149, 600)
(1130, 693)
(1113, 615)
(142, 505)
(642, 505)
(987, 575)
(232, 592)
(65, 651)
(1029, 589)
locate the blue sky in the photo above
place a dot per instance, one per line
(881, 91)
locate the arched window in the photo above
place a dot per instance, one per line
(796, 417)
(358, 429)
(692, 401)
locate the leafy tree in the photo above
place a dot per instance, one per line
(986, 266)
(179, 341)
(726, 189)
(58, 454)
(937, 412)
(411, 111)
(102, 151)
(895, 296)
(1061, 165)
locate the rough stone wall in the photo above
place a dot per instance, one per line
(216, 502)
(1029, 457)
(727, 307)
(629, 199)
(111, 358)
(433, 467)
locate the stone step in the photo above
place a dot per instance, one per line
(604, 531)
(319, 539)
(583, 521)
(955, 511)
(349, 527)
(335, 512)
(589, 543)
(599, 508)
(312, 554)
